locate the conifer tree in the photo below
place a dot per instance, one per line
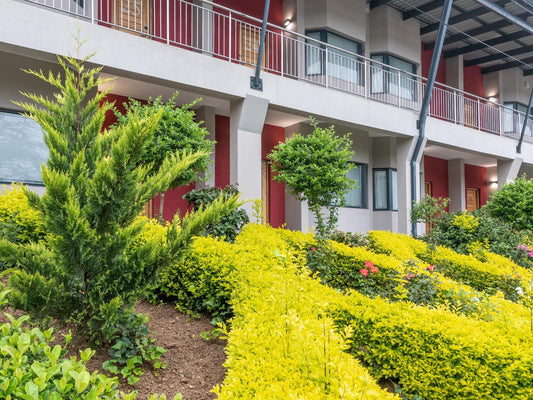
(94, 264)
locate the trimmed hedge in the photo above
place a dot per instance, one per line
(436, 354)
(19, 223)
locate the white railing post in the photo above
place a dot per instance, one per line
(326, 69)
(399, 89)
(478, 114)
(365, 78)
(500, 117)
(230, 38)
(92, 11)
(282, 49)
(168, 22)
(455, 106)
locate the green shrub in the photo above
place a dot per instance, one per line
(436, 354)
(19, 222)
(350, 238)
(514, 203)
(229, 226)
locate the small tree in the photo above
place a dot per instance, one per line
(514, 203)
(429, 210)
(314, 168)
(97, 261)
(176, 130)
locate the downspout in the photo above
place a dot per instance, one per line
(255, 82)
(427, 98)
(519, 146)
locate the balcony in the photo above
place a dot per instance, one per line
(233, 36)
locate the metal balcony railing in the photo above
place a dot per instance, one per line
(233, 36)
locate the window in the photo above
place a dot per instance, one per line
(389, 80)
(22, 150)
(513, 118)
(342, 65)
(385, 189)
(357, 197)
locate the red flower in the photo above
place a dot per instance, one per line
(369, 264)
(364, 272)
(374, 270)
(518, 276)
(430, 268)
(313, 249)
(409, 275)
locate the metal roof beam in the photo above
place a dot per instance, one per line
(415, 12)
(459, 18)
(528, 72)
(377, 3)
(508, 65)
(491, 42)
(476, 31)
(506, 14)
(499, 56)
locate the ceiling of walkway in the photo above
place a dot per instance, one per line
(494, 35)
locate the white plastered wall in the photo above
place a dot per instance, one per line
(389, 33)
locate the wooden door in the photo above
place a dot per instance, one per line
(134, 15)
(472, 199)
(250, 38)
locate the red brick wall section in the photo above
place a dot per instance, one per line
(476, 177)
(426, 63)
(473, 80)
(270, 137)
(222, 151)
(436, 172)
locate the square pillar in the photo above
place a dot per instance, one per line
(247, 118)
(456, 184)
(508, 171)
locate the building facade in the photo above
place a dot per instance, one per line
(358, 65)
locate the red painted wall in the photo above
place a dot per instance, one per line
(436, 172)
(473, 80)
(257, 8)
(476, 177)
(222, 151)
(270, 137)
(426, 63)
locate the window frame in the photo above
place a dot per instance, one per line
(386, 82)
(323, 38)
(390, 195)
(512, 107)
(6, 181)
(362, 185)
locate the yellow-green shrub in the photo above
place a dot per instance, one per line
(436, 354)
(19, 222)
(282, 344)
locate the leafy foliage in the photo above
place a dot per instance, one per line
(176, 130)
(514, 203)
(19, 223)
(429, 210)
(98, 261)
(314, 168)
(229, 226)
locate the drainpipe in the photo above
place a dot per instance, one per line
(255, 82)
(519, 146)
(427, 98)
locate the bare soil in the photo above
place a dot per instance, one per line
(194, 364)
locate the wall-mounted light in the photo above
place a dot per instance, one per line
(287, 22)
(493, 182)
(492, 99)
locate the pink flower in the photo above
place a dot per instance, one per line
(409, 275)
(364, 272)
(313, 249)
(430, 268)
(374, 270)
(531, 253)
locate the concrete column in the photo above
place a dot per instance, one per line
(456, 184)
(247, 118)
(404, 152)
(207, 115)
(203, 36)
(455, 72)
(508, 171)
